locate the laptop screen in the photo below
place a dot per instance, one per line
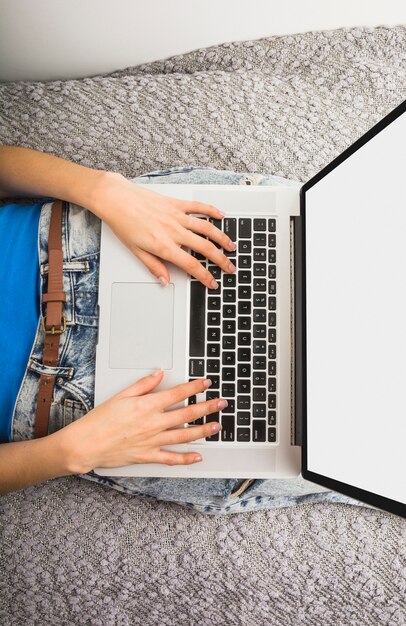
(355, 321)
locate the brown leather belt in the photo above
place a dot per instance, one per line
(54, 321)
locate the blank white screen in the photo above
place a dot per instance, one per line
(356, 318)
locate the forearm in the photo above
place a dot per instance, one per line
(26, 172)
(26, 463)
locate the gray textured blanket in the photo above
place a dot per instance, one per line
(74, 553)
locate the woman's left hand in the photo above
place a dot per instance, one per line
(154, 227)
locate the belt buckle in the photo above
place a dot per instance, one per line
(53, 330)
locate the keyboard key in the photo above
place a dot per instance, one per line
(272, 319)
(228, 390)
(260, 224)
(227, 432)
(260, 315)
(213, 349)
(244, 386)
(272, 401)
(272, 287)
(196, 367)
(271, 418)
(230, 254)
(230, 227)
(216, 223)
(244, 262)
(272, 241)
(212, 395)
(244, 354)
(272, 384)
(214, 292)
(259, 299)
(259, 395)
(259, 284)
(214, 437)
(228, 374)
(271, 434)
(243, 418)
(213, 319)
(228, 342)
(215, 382)
(259, 362)
(259, 347)
(229, 327)
(258, 430)
(259, 379)
(244, 370)
(272, 225)
(259, 410)
(259, 239)
(229, 310)
(272, 351)
(244, 323)
(197, 318)
(230, 408)
(192, 400)
(243, 434)
(272, 271)
(259, 269)
(244, 339)
(244, 292)
(213, 366)
(271, 303)
(244, 228)
(244, 308)
(214, 303)
(213, 334)
(272, 335)
(272, 256)
(259, 331)
(244, 277)
(244, 247)
(243, 402)
(215, 270)
(260, 254)
(228, 358)
(229, 280)
(272, 368)
(229, 295)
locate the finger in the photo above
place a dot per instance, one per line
(207, 228)
(168, 397)
(193, 206)
(192, 412)
(155, 266)
(143, 385)
(175, 458)
(186, 435)
(191, 265)
(209, 250)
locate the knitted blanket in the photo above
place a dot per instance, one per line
(74, 553)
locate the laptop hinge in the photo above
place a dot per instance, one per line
(296, 378)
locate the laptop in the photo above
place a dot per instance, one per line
(306, 341)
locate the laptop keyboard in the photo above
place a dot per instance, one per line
(233, 333)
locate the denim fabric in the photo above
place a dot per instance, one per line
(74, 383)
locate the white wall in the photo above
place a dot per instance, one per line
(47, 39)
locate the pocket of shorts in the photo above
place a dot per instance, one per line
(72, 410)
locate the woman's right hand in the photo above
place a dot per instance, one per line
(132, 426)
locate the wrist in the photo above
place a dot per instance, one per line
(102, 188)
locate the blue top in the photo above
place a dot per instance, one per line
(19, 302)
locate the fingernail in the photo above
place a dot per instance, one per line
(222, 404)
(232, 245)
(163, 281)
(197, 459)
(207, 383)
(214, 284)
(221, 214)
(157, 372)
(231, 267)
(215, 427)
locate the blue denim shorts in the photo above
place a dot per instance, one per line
(74, 376)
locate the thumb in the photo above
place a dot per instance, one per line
(155, 266)
(143, 385)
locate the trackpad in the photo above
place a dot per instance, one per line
(141, 326)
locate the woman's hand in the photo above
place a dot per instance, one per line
(154, 227)
(132, 426)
